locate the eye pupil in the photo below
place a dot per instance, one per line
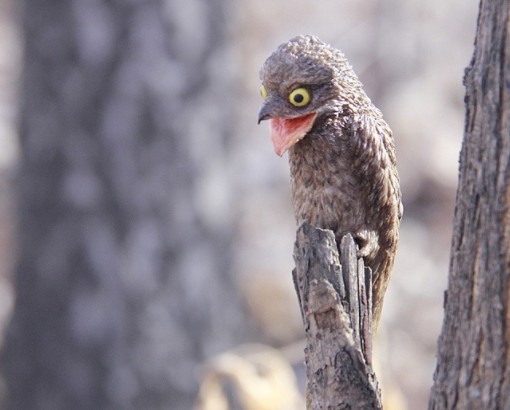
(299, 98)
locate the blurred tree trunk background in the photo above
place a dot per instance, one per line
(123, 283)
(114, 89)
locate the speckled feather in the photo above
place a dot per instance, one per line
(343, 172)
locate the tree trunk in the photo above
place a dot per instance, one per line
(123, 283)
(473, 367)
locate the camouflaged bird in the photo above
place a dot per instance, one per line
(341, 151)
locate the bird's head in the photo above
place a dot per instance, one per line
(302, 80)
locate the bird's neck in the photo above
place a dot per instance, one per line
(332, 148)
(320, 144)
(311, 158)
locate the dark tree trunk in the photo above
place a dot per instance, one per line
(473, 368)
(122, 284)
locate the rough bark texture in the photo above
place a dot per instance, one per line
(473, 364)
(122, 282)
(336, 311)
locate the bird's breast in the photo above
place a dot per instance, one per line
(325, 192)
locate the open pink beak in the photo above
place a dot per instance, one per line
(285, 132)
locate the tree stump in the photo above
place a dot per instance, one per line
(334, 293)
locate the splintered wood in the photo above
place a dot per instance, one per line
(335, 301)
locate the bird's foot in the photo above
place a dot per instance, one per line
(368, 243)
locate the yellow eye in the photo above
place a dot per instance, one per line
(263, 92)
(299, 97)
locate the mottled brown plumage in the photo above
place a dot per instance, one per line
(341, 151)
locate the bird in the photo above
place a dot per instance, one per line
(341, 151)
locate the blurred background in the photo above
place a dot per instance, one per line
(146, 221)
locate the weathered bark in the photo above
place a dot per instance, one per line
(122, 283)
(473, 363)
(334, 296)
